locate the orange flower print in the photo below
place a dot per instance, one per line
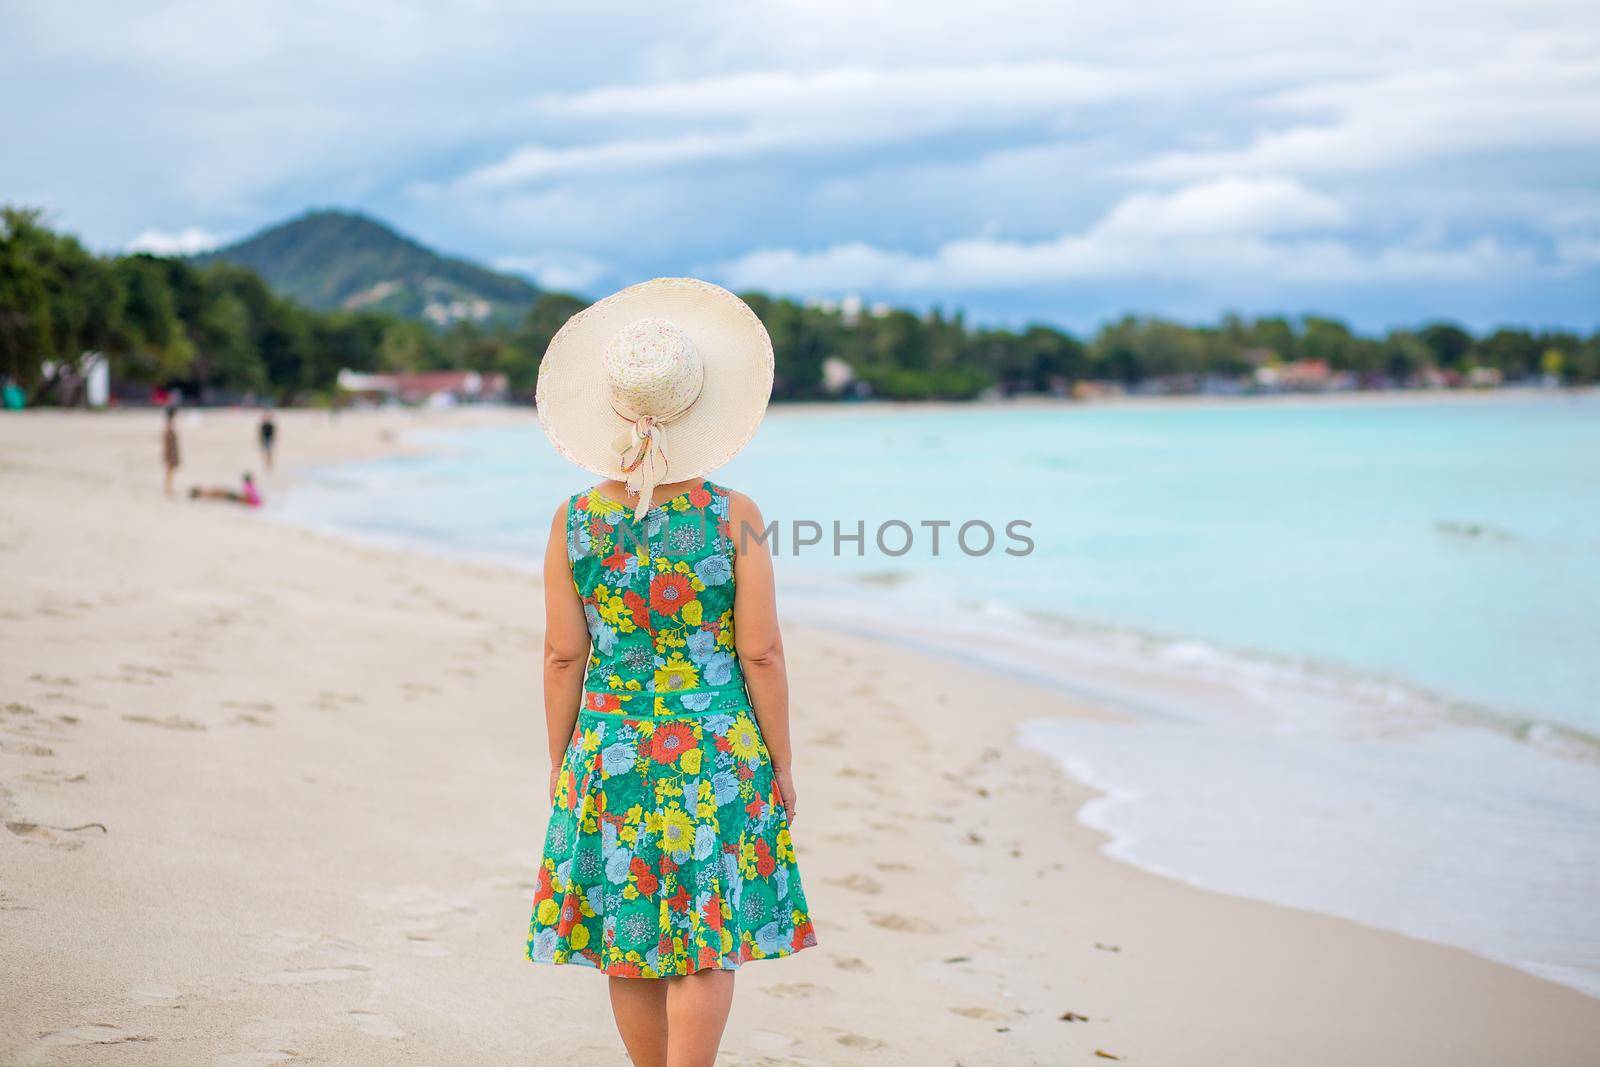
(669, 592)
(602, 701)
(670, 741)
(639, 608)
(643, 877)
(699, 497)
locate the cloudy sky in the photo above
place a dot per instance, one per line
(1066, 162)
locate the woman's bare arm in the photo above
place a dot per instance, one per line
(566, 645)
(757, 639)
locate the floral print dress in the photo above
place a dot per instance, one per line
(668, 850)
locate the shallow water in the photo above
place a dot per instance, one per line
(1354, 641)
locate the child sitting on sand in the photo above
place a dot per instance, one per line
(248, 496)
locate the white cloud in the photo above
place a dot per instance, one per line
(1541, 99)
(760, 112)
(184, 242)
(1226, 206)
(1271, 230)
(564, 273)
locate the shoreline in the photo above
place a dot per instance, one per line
(337, 954)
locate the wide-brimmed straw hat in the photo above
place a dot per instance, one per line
(662, 381)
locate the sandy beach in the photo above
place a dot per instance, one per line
(271, 796)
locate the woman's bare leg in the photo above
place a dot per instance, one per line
(640, 1007)
(697, 1012)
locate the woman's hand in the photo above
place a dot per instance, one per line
(785, 779)
(555, 776)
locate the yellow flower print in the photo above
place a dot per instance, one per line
(579, 936)
(614, 611)
(599, 504)
(591, 740)
(549, 912)
(692, 612)
(690, 761)
(677, 832)
(725, 630)
(677, 673)
(744, 741)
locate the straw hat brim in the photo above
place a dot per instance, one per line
(574, 402)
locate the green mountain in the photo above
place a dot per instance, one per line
(339, 259)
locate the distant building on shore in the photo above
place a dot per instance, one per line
(443, 388)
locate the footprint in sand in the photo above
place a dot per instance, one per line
(313, 975)
(62, 837)
(795, 990)
(171, 722)
(856, 883)
(904, 924)
(155, 997)
(79, 1036)
(25, 748)
(246, 719)
(974, 1012)
(147, 671)
(850, 963)
(375, 1025)
(419, 914)
(249, 705)
(856, 1041)
(255, 1059)
(770, 1040)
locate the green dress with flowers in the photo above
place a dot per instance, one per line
(668, 850)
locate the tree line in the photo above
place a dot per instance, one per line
(218, 332)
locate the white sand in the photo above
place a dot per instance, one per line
(270, 796)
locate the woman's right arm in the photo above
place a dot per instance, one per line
(566, 645)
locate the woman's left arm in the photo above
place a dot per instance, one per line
(757, 640)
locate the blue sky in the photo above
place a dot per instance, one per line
(1065, 162)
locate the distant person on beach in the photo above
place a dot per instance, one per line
(171, 454)
(668, 861)
(247, 496)
(268, 433)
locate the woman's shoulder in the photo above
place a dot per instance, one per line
(737, 501)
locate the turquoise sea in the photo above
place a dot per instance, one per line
(1354, 641)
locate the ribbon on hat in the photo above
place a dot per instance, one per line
(642, 454)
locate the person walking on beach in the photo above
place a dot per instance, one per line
(668, 860)
(171, 454)
(268, 433)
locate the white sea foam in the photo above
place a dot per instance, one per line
(1302, 785)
